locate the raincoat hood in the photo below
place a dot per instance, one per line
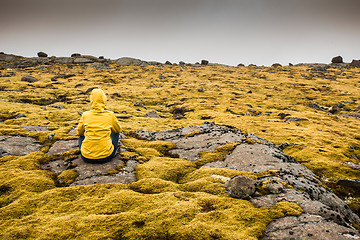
(98, 100)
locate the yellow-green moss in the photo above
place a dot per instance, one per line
(170, 169)
(191, 134)
(218, 155)
(68, 176)
(160, 146)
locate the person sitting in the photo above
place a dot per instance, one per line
(98, 131)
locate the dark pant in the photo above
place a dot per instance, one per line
(115, 142)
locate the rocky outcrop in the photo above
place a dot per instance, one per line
(324, 215)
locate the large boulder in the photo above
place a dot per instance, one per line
(9, 57)
(127, 61)
(337, 59)
(42, 54)
(355, 63)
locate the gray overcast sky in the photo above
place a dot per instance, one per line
(223, 31)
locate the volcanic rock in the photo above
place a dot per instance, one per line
(240, 187)
(355, 63)
(42, 54)
(152, 114)
(17, 145)
(29, 79)
(337, 59)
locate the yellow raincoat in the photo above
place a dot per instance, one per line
(96, 125)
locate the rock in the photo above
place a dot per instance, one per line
(138, 104)
(350, 183)
(62, 146)
(82, 60)
(152, 114)
(51, 136)
(168, 63)
(63, 60)
(276, 65)
(18, 146)
(355, 63)
(20, 116)
(64, 76)
(295, 119)
(29, 79)
(9, 57)
(200, 90)
(240, 187)
(337, 59)
(204, 62)
(275, 187)
(127, 61)
(42, 54)
(181, 63)
(241, 65)
(75, 55)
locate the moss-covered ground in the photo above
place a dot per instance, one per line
(174, 198)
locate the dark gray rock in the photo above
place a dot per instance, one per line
(240, 187)
(42, 54)
(204, 62)
(276, 65)
(337, 59)
(355, 63)
(29, 79)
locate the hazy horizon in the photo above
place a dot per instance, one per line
(229, 32)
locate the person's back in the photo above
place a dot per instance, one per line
(98, 130)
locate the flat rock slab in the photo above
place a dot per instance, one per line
(60, 147)
(17, 145)
(96, 173)
(35, 128)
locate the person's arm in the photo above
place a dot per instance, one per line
(81, 127)
(115, 124)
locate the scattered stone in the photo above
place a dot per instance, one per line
(64, 76)
(179, 113)
(241, 65)
(283, 115)
(337, 59)
(123, 116)
(89, 90)
(138, 104)
(29, 79)
(355, 63)
(204, 62)
(168, 63)
(74, 55)
(241, 187)
(276, 65)
(20, 116)
(181, 63)
(152, 114)
(51, 136)
(295, 119)
(42, 54)
(200, 90)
